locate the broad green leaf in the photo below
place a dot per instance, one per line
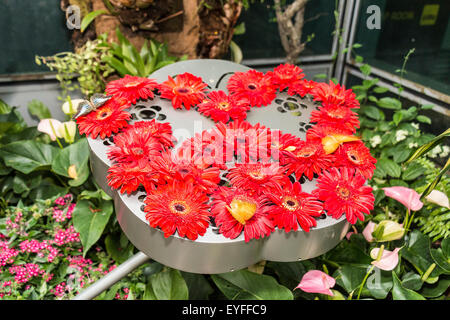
(390, 167)
(349, 253)
(247, 285)
(412, 281)
(445, 245)
(20, 184)
(436, 289)
(72, 162)
(90, 17)
(90, 221)
(423, 119)
(116, 250)
(373, 112)
(380, 89)
(199, 287)
(441, 260)
(47, 189)
(28, 133)
(400, 153)
(389, 103)
(379, 283)
(350, 277)
(11, 123)
(4, 107)
(38, 109)
(397, 118)
(167, 285)
(98, 194)
(401, 293)
(27, 156)
(365, 69)
(117, 65)
(413, 171)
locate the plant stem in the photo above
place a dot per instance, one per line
(364, 281)
(54, 132)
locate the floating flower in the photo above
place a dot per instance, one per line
(50, 127)
(222, 108)
(253, 86)
(388, 260)
(178, 207)
(131, 88)
(292, 207)
(127, 177)
(104, 121)
(236, 210)
(321, 131)
(160, 131)
(356, 155)
(302, 87)
(281, 144)
(316, 281)
(343, 191)
(406, 196)
(186, 89)
(308, 159)
(285, 74)
(336, 115)
(257, 177)
(334, 94)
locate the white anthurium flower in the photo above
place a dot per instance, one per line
(439, 198)
(67, 130)
(66, 106)
(50, 127)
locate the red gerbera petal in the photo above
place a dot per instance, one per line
(160, 131)
(104, 121)
(302, 87)
(132, 88)
(222, 108)
(292, 207)
(336, 115)
(135, 147)
(169, 167)
(309, 159)
(235, 210)
(253, 86)
(178, 207)
(285, 75)
(257, 177)
(128, 177)
(334, 94)
(186, 89)
(356, 155)
(343, 191)
(320, 131)
(281, 144)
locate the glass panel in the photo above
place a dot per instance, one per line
(30, 28)
(262, 40)
(406, 24)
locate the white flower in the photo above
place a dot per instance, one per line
(413, 145)
(435, 151)
(50, 127)
(445, 151)
(375, 140)
(439, 198)
(66, 106)
(415, 125)
(401, 135)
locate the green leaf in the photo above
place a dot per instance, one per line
(390, 167)
(389, 103)
(239, 29)
(27, 156)
(117, 65)
(373, 112)
(441, 260)
(379, 283)
(90, 222)
(423, 119)
(76, 154)
(428, 146)
(380, 89)
(236, 52)
(427, 106)
(199, 287)
(412, 281)
(401, 293)
(120, 253)
(20, 184)
(90, 17)
(413, 171)
(11, 123)
(47, 189)
(167, 285)
(4, 107)
(397, 118)
(400, 153)
(350, 277)
(247, 285)
(38, 109)
(436, 289)
(365, 69)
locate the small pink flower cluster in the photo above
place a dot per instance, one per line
(6, 254)
(119, 296)
(41, 248)
(67, 236)
(23, 273)
(61, 289)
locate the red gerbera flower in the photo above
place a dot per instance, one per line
(335, 94)
(128, 177)
(257, 177)
(252, 86)
(135, 147)
(222, 108)
(302, 87)
(169, 167)
(320, 131)
(132, 88)
(285, 75)
(343, 191)
(186, 89)
(104, 121)
(309, 159)
(178, 207)
(281, 144)
(293, 207)
(336, 115)
(236, 210)
(356, 155)
(160, 131)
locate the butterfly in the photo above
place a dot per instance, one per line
(85, 106)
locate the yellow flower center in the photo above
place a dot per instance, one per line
(224, 106)
(179, 207)
(132, 84)
(290, 203)
(242, 210)
(344, 193)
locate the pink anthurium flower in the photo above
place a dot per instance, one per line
(45, 127)
(388, 260)
(316, 281)
(367, 232)
(406, 196)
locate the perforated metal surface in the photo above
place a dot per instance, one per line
(213, 253)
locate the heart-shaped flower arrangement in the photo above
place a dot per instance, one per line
(263, 165)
